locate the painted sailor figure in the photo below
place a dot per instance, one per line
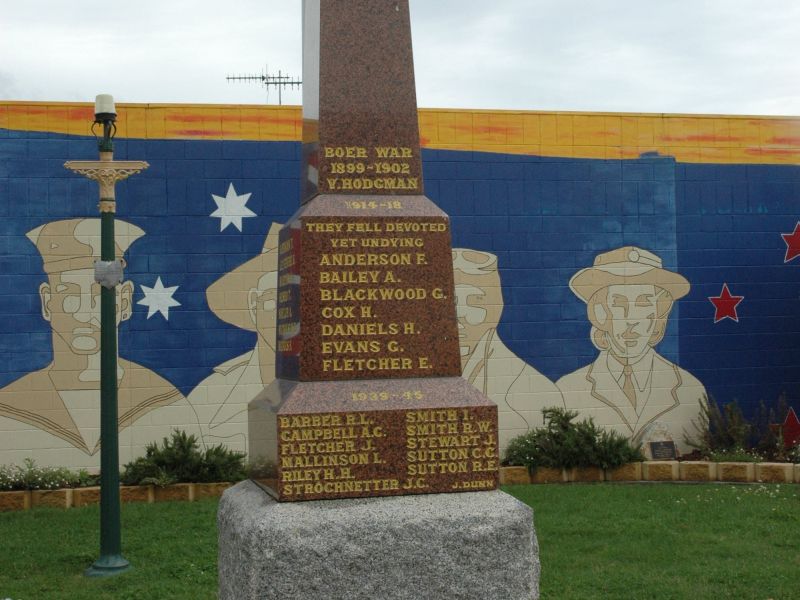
(57, 409)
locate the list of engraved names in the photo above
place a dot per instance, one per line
(378, 314)
(364, 452)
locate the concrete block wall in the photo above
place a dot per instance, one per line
(534, 199)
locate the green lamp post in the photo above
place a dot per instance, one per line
(108, 273)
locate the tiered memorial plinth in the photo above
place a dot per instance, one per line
(369, 400)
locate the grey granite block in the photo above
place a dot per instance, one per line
(472, 545)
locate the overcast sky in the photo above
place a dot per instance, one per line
(692, 56)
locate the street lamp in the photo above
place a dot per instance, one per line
(108, 273)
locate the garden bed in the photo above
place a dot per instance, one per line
(659, 470)
(77, 497)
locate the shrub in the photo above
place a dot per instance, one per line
(563, 444)
(725, 431)
(32, 477)
(180, 459)
(735, 455)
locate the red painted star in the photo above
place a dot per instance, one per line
(725, 305)
(792, 243)
(791, 429)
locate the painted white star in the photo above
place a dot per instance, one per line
(158, 299)
(232, 209)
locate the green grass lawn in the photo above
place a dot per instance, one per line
(597, 541)
(172, 547)
(682, 542)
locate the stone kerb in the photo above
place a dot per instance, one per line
(698, 471)
(775, 472)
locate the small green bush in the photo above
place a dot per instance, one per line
(563, 444)
(725, 431)
(180, 460)
(30, 476)
(735, 455)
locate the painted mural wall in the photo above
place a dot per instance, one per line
(621, 265)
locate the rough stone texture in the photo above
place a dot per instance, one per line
(209, 490)
(775, 472)
(136, 493)
(171, 493)
(514, 475)
(691, 470)
(479, 546)
(85, 496)
(548, 475)
(15, 500)
(52, 498)
(585, 474)
(666, 470)
(627, 472)
(736, 471)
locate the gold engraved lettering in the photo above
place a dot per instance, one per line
(371, 294)
(480, 484)
(339, 277)
(378, 183)
(296, 421)
(358, 347)
(393, 152)
(343, 242)
(359, 329)
(335, 365)
(364, 227)
(417, 483)
(339, 312)
(345, 152)
(435, 415)
(314, 227)
(415, 227)
(392, 243)
(342, 487)
(438, 468)
(364, 260)
(329, 447)
(443, 441)
(325, 460)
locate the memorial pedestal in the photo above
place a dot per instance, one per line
(386, 437)
(479, 546)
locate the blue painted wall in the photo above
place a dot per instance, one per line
(545, 218)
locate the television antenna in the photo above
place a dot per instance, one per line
(279, 81)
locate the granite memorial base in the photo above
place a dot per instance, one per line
(473, 545)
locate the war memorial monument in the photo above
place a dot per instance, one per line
(368, 399)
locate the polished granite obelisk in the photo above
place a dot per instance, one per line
(368, 399)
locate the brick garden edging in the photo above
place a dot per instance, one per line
(664, 470)
(77, 497)
(660, 470)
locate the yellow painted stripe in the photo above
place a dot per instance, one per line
(689, 138)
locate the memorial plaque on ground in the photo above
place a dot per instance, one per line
(368, 399)
(663, 450)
